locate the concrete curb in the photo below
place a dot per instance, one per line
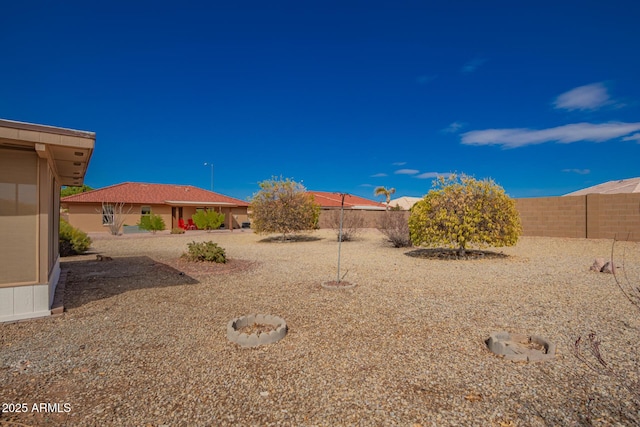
(255, 340)
(520, 348)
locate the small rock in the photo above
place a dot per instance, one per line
(608, 267)
(264, 393)
(598, 263)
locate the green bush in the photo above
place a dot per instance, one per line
(461, 211)
(71, 240)
(205, 251)
(177, 230)
(151, 223)
(208, 220)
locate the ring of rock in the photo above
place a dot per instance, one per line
(256, 339)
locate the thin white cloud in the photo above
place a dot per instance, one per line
(379, 175)
(454, 127)
(578, 171)
(473, 65)
(399, 163)
(513, 138)
(588, 97)
(424, 79)
(428, 175)
(406, 171)
(634, 137)
(366, 185)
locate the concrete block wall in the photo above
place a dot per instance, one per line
(613, 216)
(553, 216)
(594, 216)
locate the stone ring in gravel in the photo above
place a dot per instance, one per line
(517, 347)
(254, 330)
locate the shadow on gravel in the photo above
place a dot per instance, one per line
(452, 254)
(290, 239)
(89, 279)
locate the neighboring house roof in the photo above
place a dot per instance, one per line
(631, 185)
(154, 194)
(404, 202)
(333, 200)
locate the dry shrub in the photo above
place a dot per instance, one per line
(352, 224)
(395, 225)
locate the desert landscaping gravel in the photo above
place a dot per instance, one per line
(142, 341)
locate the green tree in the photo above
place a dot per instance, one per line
(208, 220)
(69, 191)
(461, 211)
(283, 206)
(383, 191)
(151, 223)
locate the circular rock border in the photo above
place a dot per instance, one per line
(255, 339)
(326, 285)
(521, 348)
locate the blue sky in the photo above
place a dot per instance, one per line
(343, 96)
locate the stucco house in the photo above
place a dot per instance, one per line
(93, 211)
(35, 161)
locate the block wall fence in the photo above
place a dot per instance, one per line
(594, 216)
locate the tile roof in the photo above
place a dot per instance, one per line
(405, 202)
(333, 200)
(631, 185)
(136, 192)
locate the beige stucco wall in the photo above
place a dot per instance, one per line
(88, 218)
(29, 250)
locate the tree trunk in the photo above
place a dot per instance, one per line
(461, 252)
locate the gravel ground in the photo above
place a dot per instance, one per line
(143, 339)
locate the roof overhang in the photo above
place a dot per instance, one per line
(68, 151)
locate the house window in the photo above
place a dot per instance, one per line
(145, 210)
(107, 214)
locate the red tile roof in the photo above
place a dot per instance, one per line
(156, 194)
(333, 200)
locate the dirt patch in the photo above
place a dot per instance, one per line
(290, 239)
(336, 284)
(196, 269)
(257, 328)
(452, 254)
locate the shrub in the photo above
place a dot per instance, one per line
(283, 206)
(72, 241)
(352, 224)
(177, 230)
(151, 223)
(462, 211)
(205, 251)
(208, 220)
(395, 226)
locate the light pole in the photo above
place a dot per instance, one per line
(210, 164)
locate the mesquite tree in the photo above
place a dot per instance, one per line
(461, 211)
(283, 206)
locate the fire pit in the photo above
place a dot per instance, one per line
(254, 330)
